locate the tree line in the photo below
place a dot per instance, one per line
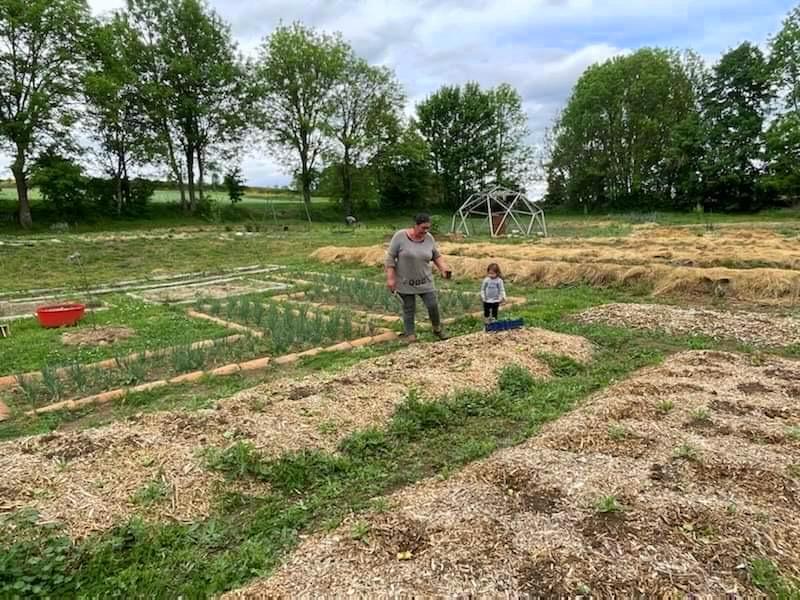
(163, 84)
(658, 129)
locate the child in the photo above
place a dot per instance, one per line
(493, 292)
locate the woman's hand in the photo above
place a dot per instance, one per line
(391, 281)
(444, 269)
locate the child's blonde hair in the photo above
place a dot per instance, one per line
(496, 268)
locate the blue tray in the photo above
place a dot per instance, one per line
(505, 325)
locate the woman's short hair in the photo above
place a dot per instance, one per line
(421, 218)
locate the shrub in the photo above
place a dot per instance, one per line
(61, 182)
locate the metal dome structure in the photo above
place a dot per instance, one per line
(500, 208)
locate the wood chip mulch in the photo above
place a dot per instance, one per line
(697, 454)
(758, 329)
(87, 479)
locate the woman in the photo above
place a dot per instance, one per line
(409, 273)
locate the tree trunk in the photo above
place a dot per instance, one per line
(173, 163)
(126, 183)
(347, 185)
(200, 173)
(190, 177)
(23, 205)
(118, 181)
(305, 180)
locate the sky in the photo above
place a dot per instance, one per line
(540, 47)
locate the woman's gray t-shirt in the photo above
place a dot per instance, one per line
(412, 261)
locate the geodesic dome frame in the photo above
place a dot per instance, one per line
(500, 207)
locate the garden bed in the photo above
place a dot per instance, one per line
(758, 329)
(364, 294)
(573, 512)
(91, 480)
(31, 347)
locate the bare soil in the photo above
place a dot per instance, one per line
(101, 336)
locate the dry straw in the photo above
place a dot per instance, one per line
(752, 285)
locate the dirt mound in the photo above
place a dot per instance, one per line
(571, 513)
(751, 285)
(748, 327)
(101, 336)
(90, 480)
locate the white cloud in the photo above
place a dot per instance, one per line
(539, 46)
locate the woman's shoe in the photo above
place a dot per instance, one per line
(408, 339)
(441, 335)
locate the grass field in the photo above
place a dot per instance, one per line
(633, 439)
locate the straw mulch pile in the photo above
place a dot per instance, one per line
(753, 328)
(88, 479)
(602, 266)
(698, 499)
(660, 245)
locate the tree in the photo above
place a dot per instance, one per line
(783, 135)
(459, 126)
(113, 108)
(61, 183)
(513, 157)
(366, 105)
(297, 73)
(785, 60)
(613, 142)
(734, 113)
(234, 184)
(193, 84)
(41, 64)
(403, 172)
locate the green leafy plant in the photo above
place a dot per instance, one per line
(35, 560)
(618, 432)
(240, 459)
(516, 380)
(665, 406)
(608, 505)
(359, 530)
(701, 415)
(765, 575)
(152, 493)
(29, 387)
(686, 452)
(133, 370)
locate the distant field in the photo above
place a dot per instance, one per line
(250, 199)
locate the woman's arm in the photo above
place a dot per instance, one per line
(390, 264)
(441, 265)
(391, 279)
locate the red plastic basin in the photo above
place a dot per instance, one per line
(60, 315)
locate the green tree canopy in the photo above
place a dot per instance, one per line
(194, 86)
(734, 109)
(475, 137)
(42, 44)
(783, 135)
(366, 106)
(614, 142)
(298, 72)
